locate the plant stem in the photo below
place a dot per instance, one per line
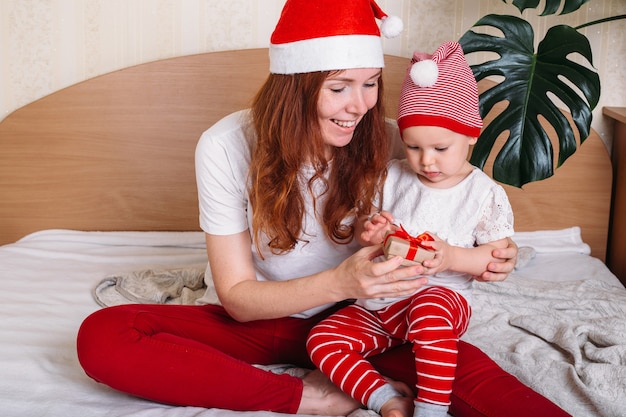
(606, 19)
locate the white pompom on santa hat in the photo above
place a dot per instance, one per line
(326, 35)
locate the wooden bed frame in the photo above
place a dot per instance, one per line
(116, 152)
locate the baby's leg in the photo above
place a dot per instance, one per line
(438, 317)
(339, 345)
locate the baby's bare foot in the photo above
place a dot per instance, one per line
(397, 407)
(320, 396)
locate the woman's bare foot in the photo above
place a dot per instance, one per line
(320, 396)
(397, 407)
(401, 387)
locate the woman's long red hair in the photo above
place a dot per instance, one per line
(288, 135)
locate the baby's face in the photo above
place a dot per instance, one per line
(437, 155)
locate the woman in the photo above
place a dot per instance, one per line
(279, 187)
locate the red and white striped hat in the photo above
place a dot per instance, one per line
(440, 90)
(323, 35)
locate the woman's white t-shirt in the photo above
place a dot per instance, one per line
(222, 164)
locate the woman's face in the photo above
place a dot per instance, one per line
(344, 98)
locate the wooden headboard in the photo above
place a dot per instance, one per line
(116, 152)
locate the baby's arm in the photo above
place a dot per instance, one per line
(471, 261)
(370, 230)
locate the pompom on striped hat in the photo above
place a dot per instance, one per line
(440, 90)
(326, 35)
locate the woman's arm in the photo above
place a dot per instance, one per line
(245, 298)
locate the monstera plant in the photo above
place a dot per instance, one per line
(531, 83)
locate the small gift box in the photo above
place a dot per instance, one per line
(412, 249)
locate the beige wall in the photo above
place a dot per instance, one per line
(46, 45)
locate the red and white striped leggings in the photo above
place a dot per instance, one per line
(432, 320)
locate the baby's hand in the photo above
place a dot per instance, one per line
(443, 256)
(376, 227)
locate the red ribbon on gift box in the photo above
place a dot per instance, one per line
(414, 242)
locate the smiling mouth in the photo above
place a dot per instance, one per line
(344, 123)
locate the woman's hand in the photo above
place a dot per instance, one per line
(499, 270)
(360, 277)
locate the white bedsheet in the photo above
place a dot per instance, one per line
(47, 279)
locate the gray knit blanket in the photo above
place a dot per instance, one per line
(153, 286)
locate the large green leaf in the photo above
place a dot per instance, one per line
(528, 78)
(551, 6)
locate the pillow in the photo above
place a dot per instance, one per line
(553, 241)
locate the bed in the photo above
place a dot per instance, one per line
(97, 193)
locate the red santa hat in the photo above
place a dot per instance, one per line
(440, 90)
(322, 35)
